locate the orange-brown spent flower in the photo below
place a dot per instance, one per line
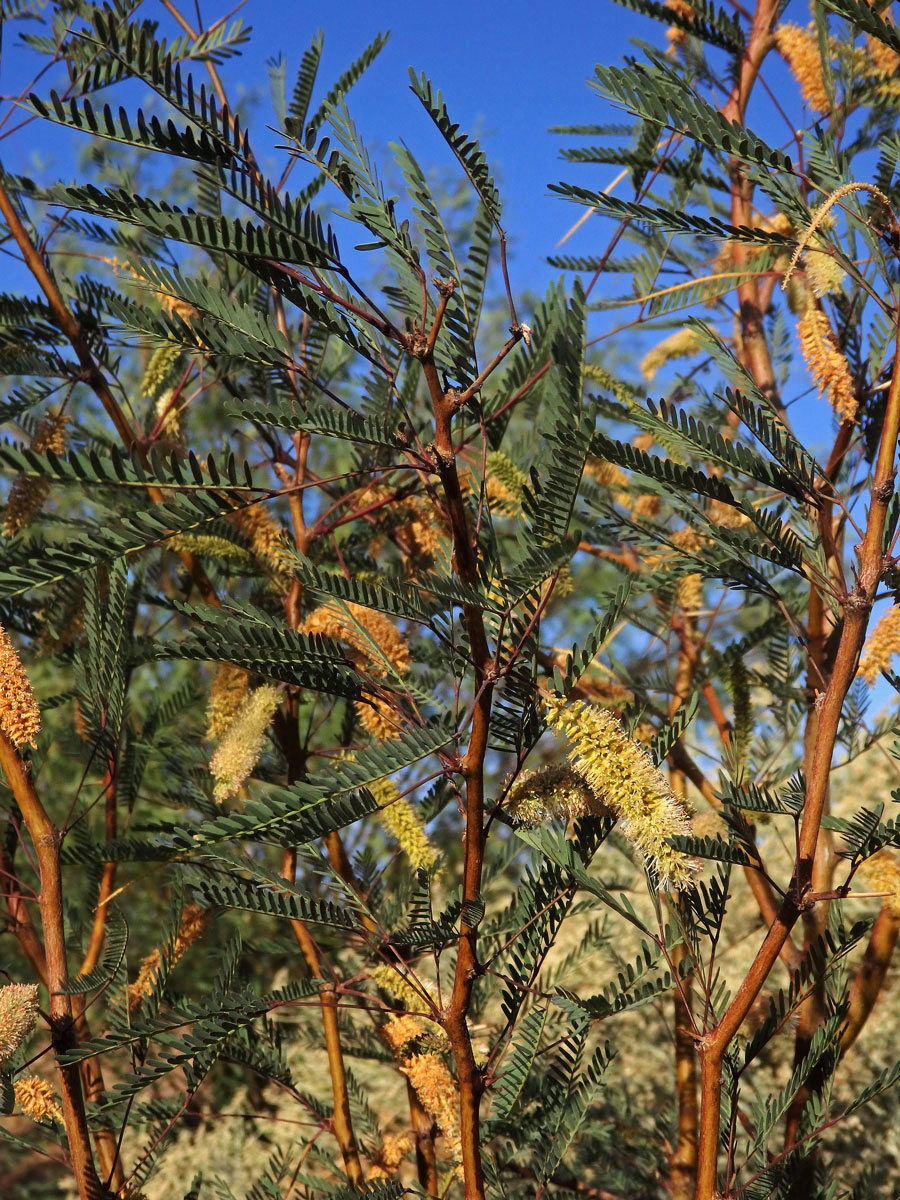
(881, 873)
(646, 505)
(20, 717)
(800, 49)
(675, 35)
(825, 362)
(28, 492)
(436, 1089)
(399, 1032)
(36, 1099)
(378, 718)
(266, 539)
(370, 633)
(226, 695)
(194, 923)
(18, 1015)
(393, 1150)
(882, 645)
(881, 59)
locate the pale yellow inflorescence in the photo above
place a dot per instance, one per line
(243, 742)
(227, 693)
(400, 819)
(800, 48)
(825, 362)
(543, 793)
(622, 775)
(20, 717)
(18, 1015)
(396, 986)
(36, 1099)
(824, 273)
(28, 492)
(881, 873)
(159, 368)
(883, 643)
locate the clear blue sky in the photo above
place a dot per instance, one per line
(508, 72)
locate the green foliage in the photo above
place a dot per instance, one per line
(325, 527)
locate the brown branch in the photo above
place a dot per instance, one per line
(471, 1082)
(47, 840)
(342, 1121)
(870, 975)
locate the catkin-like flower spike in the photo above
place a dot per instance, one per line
(160, 368)
(675, 34)
(266, 539)
(800, 49)
(20, 717)
(436, 1089)
(684, 343)
(825, 362)
(689, 593)
(622, 776)
(881, 873)
(882, 645)
(399, 818)
(401, 1031)
(28, 492)
(369, 632)
(194, 923)
(881, 59)
(824, 273)
(505, 484)
(822, 212)
(392, 1153)
(541, 794)
(242, 745)
(18, 1015)
(226, 695)
(400, 989)
(36, 1099)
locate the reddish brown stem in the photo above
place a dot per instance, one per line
(46, 840)
(856, 612)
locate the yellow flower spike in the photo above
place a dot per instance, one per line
(436, 1089)
(399, 818)
(881, 873)
(539, 795)
(622, 776)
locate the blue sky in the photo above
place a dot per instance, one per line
(508, 73)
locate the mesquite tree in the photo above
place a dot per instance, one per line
(314, 821)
